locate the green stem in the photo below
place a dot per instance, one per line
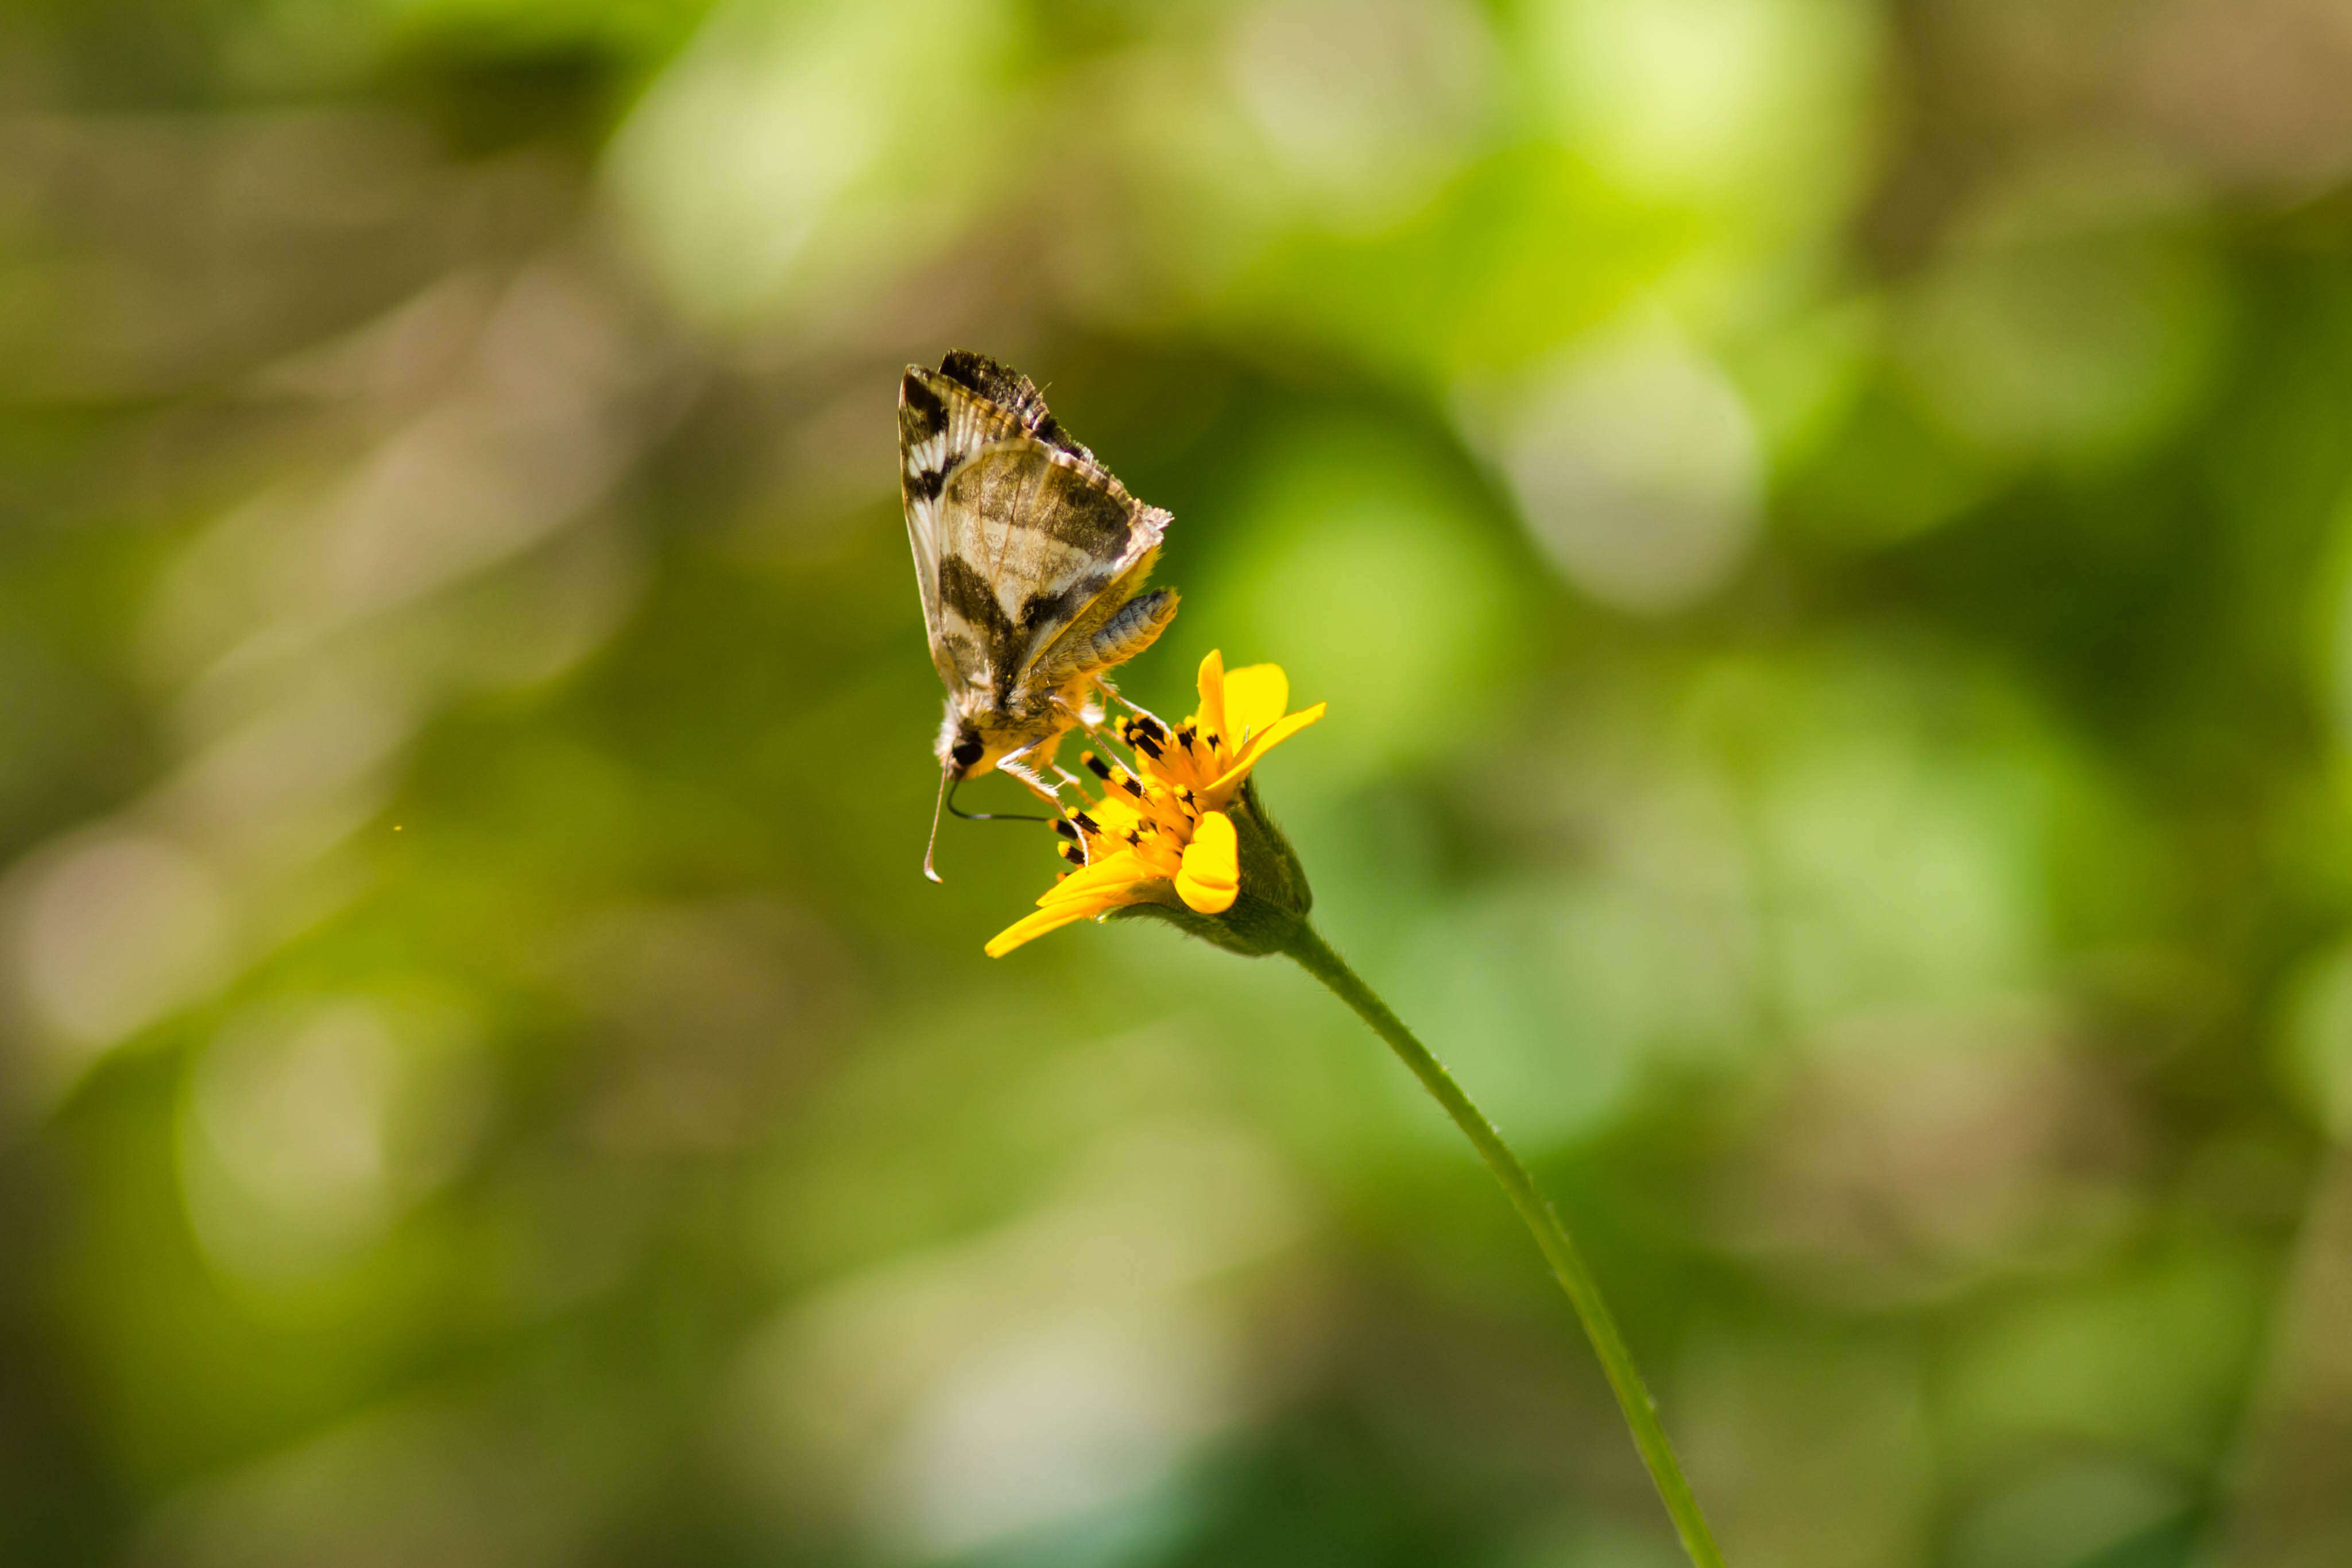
(1568, 1266)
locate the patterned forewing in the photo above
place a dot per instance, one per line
(1017, 395)
(942, 426)
(1028, 539)
(1025, 548)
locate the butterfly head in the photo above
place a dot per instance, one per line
(968, 745)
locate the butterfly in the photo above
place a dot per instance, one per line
(1031, 559)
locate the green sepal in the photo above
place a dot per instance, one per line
(1273, 900)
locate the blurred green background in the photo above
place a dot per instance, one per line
(1826, 528)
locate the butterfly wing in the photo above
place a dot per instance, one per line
(941, 425)
(1017, 531)
(1032, 540)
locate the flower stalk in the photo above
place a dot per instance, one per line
(1308, 948)
(1178, 834)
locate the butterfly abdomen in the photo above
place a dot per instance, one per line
(1135, 627)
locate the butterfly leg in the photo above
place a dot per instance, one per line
(1013, 764)
(1090, 713)
(1135, 708)
(1091, 708)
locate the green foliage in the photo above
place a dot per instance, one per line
(1824, 527)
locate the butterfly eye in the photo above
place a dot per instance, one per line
(966, 751)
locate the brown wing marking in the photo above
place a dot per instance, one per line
(1015, 394)
(942, 424)
(1049, 539)
(1026, 548)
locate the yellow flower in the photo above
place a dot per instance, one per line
(1163, 831)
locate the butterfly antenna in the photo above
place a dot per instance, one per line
(947, 786)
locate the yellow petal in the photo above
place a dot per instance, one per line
(1108, 876)
(1030, 927)
(1115, 813)
(1261, 744)
(1213, 694)
(1255, 700)
(1211, 877)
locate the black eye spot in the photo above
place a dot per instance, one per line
(966, 751)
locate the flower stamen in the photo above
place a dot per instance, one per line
(1160, 832)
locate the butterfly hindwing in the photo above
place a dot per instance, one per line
(1048, 538)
